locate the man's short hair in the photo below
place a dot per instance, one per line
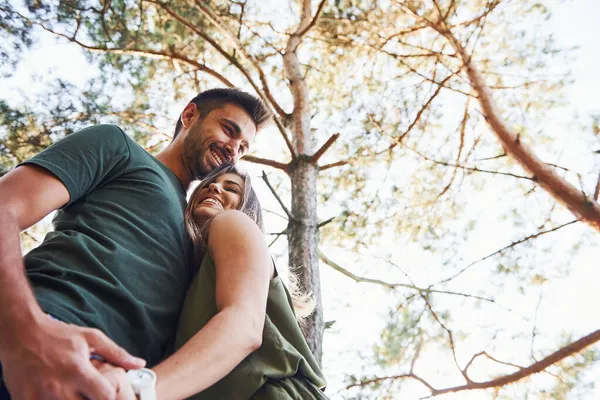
(214, 98)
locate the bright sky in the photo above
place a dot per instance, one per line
(568, 302)
(358, 309)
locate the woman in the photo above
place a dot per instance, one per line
(227, 346)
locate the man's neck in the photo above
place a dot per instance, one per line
(171, 158)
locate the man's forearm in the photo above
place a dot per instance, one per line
(18, 306)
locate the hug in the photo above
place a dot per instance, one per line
(134, 277)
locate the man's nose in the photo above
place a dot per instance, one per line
(233, 150)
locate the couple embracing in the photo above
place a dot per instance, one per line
(135, 276)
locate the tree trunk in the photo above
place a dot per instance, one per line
(303, 235)
(303, 245)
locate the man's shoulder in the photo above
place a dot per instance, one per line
(101, 130)
(111, 133)
(96, 136)
(115, 139)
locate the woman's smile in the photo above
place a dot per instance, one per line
(224, 193)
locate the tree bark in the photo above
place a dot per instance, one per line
(303, 233)
(303, 245)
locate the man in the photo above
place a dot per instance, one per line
(117, 266)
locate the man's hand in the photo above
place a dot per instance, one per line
(118, 378)
(52, 361)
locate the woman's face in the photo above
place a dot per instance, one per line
(225, 193)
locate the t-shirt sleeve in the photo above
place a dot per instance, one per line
(86, 159)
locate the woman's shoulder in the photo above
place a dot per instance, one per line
(233, 234)
(233, 225)
(231, 216)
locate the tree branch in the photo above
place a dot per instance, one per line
(534, 368)
(474, 169)
(388, 378)
(314, 20)
(463, 126)
(265, 161)
(450, 336)
(325, 147)
(513, 244)
(287, 212)
(597, 190)
(215, 20)
(483, 353)
(575, 200)
(421, 111)
(332, 165)
(277, 236)
(147, 53)
(421, 290)
(535, 318)
(523, 372)
(232, 60)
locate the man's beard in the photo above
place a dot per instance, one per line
(193, 155)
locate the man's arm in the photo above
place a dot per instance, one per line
(243, 272)
(41, 356)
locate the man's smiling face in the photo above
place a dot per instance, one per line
(223, 135)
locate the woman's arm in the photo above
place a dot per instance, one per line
(243, 271)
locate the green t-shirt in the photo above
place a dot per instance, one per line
(119, 256)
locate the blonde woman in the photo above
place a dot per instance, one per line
(238, 336)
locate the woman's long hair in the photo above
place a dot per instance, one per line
(303, 302)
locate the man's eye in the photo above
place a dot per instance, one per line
(227, 130)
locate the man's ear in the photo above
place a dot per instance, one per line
(189, 115)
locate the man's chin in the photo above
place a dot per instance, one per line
(208, 168)
(201, 171)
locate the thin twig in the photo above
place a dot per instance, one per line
(284, 232)
(474, 169)
(287, 212)
(421, 111)
(30, 236)
(463, 125)
(492, 158)
(597, 190)
(389, 285)
(314, 20)
(215, 20)
(535, 317)
(233, 61)
(450, 336)
(275, 213)
(513, 244)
